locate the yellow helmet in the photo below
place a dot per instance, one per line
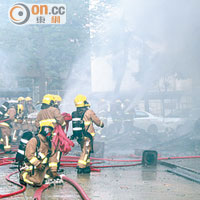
(20, 108)
(53, 98)
(46, 124)
(81, 101)
(20, 99)
(28, 99)
(57, 98)
(48, 99)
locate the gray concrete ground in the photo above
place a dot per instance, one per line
(131, 183)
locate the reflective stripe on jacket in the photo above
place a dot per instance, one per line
(50, 113)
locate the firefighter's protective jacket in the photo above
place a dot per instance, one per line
(45, 155)
(52, 114)
(87, 142)
(89, 118)
(6, 128)
(10, 115)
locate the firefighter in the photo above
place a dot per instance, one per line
(58, 100)
(83, 131)
(19, 118)
(5, 127)
(29, 105)
(50, 113)
(40, 158)
(28, 123)
(21, 100)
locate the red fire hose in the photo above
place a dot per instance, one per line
(95, 170)
(13, 193)
(65, 158)
(7, 158)
(38, 192)
(75, 164)
(76, 186)
(114, 160)
(75, 158)
(4, 120)
(179, 157)
(6, 161)
(107, 166)
(103, 159)
(100, 166)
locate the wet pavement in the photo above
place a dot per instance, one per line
(130, 183)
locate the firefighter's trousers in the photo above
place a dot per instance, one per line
(5, 131)
(35, 179)
(86, 147)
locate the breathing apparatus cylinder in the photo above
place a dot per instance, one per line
(22, 146)
(77, 124)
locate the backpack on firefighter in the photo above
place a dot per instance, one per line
(20, 156)
(46, 129)
(78, 126)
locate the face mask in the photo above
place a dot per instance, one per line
(49, 136)
(47, 132)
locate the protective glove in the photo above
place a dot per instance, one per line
(54, 175)
(58, 181)
(53, 182)
(72, 137)
(102, 125)
(41, 167)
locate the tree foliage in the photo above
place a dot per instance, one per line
(45, 51)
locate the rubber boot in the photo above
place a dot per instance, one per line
(1, 147)
(60, 170)
(22, 182)
(86, 170)
(80, 170)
